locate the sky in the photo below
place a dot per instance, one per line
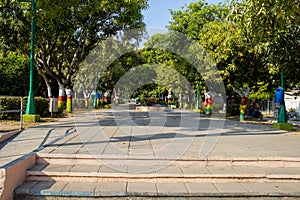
(158, 14)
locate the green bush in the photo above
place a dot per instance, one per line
(41, 106)
(149, 101)
(14, 103)
(107, 106)
(233, 109)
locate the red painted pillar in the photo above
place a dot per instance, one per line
(49, 92)
(106, 97)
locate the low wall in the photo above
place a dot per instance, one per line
(13, 176)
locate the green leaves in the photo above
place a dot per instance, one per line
(195, 16)
(67, 30)
(14, 67)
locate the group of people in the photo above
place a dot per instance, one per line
(254, 110)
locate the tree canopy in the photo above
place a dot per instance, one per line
(66, 31)
(250, 41)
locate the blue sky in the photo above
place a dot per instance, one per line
(158, 14)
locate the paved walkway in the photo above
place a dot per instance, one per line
(161, 138)
(165, 135)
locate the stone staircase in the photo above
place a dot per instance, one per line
(82, 176)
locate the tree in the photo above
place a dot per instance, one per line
(67, 32)
(188, 61)
(192, 19)
(272, 28)
(238, 63)
(14, 75)
(239, 46)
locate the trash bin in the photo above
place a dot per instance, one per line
(279, 95)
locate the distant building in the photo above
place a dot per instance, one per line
(292, 100)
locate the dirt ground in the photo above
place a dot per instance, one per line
(11, 125)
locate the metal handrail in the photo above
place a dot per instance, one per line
(16, 111)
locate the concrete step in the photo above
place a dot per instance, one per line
(171, 173)
(88, 159)
(74, 176)
(148, 190)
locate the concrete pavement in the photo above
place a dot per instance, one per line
(167, 148)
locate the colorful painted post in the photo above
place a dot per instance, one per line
(69, 99)
(170, 99)
(49, 92)
(243, 108)
(106, 97)
(197, 95)
(209, 102)
(86, 99)
(97, 99)
(95, 90)
(61, 95)
(244, 93)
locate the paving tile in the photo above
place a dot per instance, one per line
(261, 188)
(85, 168)
(118, 149)
(249, 170)
(113, 169)
(194, 169)
(283, 170)
(191, 153)
(58, 168)
(88, 150)
(197, 188)
(67, 150)
(140, 169)
(168, 152)
(48, 149)
(141, 152)
(79, 189)
(48, 188)
(292, 187)
(170, 170)
(221, 170)
(171, 189)
(141, 189)
(111, 189)
(230, 187)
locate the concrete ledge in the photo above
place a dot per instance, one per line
(283, 126)
(4, 136)
(13, 176)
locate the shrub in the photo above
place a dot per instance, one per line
(149, 101)
(233, 109)
(107, 106)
